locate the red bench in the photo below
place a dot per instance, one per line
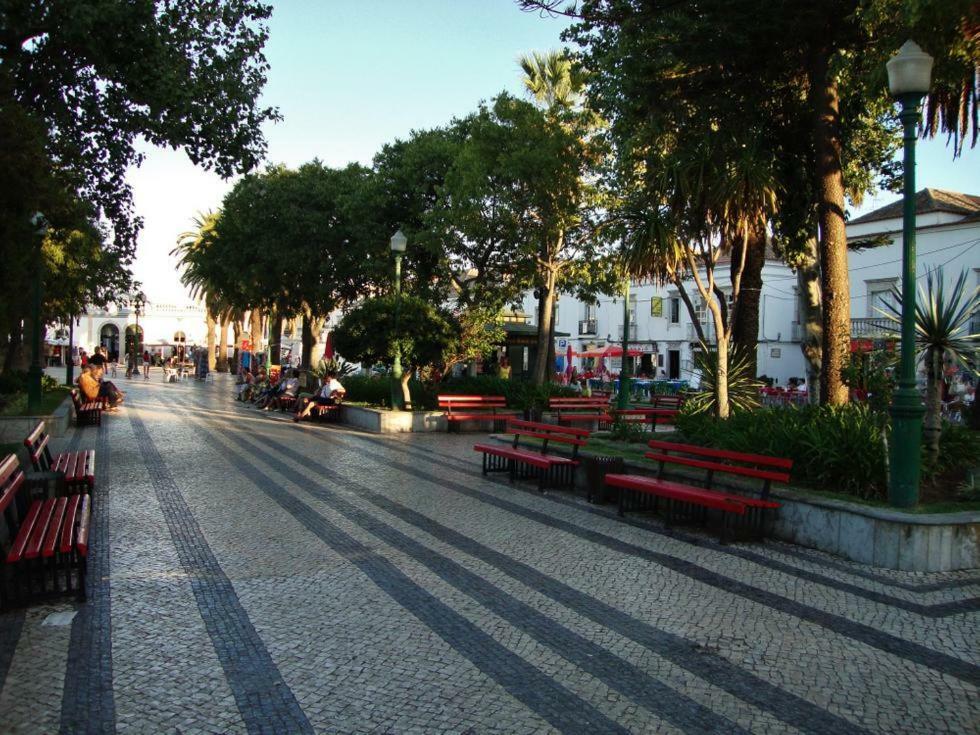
(86, 412)
(78, 468)
(684, 500)
(581, 410)
(49, 539)
(644, 415)
(474, 408)
(527, 461)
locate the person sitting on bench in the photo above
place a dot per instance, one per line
(289, 386)
(330, 394)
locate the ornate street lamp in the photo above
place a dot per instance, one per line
(624, 373)
(35, 371)
(398, 244)
(909, 75)
(139, 301)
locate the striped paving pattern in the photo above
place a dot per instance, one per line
(251, 575)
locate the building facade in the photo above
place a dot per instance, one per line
(163, 329)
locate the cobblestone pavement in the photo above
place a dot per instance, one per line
(252, 575)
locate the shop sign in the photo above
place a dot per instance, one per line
(657, 306)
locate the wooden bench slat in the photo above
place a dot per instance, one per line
(24, 534)
(40, 529)
(763, 459)
(719, 467)
(522, 454)
(54, 528)
(550, 437)
(11, 478)
(84, 518)
(677, 491)
(68, 528)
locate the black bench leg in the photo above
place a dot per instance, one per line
(484, 464)
(726, 528)
(622, 501)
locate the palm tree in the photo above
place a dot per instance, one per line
(552, 79)
(942, 325)
(556, 85)
(192, 251)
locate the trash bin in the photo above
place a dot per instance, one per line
(596, 469)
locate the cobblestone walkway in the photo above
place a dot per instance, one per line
(252, 575)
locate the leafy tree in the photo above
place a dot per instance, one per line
(425, 334)
(811, 79)
(97, 75)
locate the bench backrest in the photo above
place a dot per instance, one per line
(569, 435)
(760, 466)
(75, 398)
(470, 402)
(667, 401)
(11, 479)
(577, 403)
(37, 446)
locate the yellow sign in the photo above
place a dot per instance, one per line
(656, 306)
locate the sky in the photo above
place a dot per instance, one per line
(349, 76)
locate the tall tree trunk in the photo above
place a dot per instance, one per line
(236, 331)
(212, 338)
(834, 282)
(932, 421)
(745, 327)
(255, 328)
(406, 393)
(312, 326)
(691, 311)
(546, 304)
(808, 281)
(275, 336)
(221, 363)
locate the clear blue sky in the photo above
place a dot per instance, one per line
(350, 76)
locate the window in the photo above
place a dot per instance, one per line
(632, 309)
(675, 310)
(797, 306)
(589, 312)
(881, 296)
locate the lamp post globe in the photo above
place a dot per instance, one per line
(34, 372)
(909, 77)
(398, 244)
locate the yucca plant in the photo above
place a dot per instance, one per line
(942, 321)
(743, 385)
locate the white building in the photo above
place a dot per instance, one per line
(947, 236)
(164, 329)
(662, 330)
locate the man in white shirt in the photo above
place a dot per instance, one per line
(330, 394)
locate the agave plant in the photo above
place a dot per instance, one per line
(743, 385)
(336, 365)
(942, 335)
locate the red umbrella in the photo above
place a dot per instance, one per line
(328, 347)
(611, 351)
(568, 360)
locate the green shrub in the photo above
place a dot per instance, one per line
(835, 448)
(15, 381)
(376, 391)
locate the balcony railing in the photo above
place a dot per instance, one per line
(515, 318)
(588, 326)
(876, 326)
(632, 336)
(709, 332)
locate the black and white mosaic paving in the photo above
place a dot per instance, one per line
(249, 575)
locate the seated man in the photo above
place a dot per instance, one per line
(288, 389)
(244, 385)
(330, 394)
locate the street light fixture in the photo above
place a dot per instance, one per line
(398, 245)
(909, 76)
(34, 372)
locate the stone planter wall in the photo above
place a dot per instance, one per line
(379, 421)
(13, 429)
(879, 537)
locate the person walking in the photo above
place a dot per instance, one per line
(146, 364)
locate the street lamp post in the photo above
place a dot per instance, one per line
(398, 244)
(70, 365)
(35, 371)
(909, 73)
(624, 372)
(138, 302)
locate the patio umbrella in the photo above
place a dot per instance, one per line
(568, 360)
(328, 347)
(611, 351)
